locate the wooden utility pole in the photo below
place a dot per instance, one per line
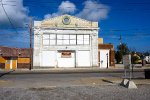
(31, 50)
(121, 48)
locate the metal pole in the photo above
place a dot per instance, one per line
(30, 29)
(107, 60)
(121, 48)
(125, 74)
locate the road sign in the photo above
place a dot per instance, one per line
(127, 61)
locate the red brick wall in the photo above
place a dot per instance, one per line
(112, 58)
(2, 65)
(23, 66)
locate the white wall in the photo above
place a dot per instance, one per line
(66, 62)
(48, 59)
(39, 60)
(83, 59)
(103, 58)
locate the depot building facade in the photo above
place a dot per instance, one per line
(65, 41)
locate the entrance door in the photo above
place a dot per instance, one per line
(104, 58)
(8, 65)
(66, 59)
(11, 64)
(14, 64)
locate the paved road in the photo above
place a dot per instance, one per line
(70, 75)
(70, 86)
(37, 80)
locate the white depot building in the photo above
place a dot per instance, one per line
(65, 41)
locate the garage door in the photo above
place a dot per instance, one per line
(83, 58)
(103, 58)
(48, 58)
(66, 59)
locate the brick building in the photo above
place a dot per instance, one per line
(14, 58)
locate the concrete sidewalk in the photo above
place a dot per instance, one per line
(70, 70)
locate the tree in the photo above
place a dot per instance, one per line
(121, 50)
(118, 56)
(147, 53)
(136, 57)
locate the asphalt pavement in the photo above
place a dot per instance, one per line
(71, 84)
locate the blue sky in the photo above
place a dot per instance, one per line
(129, 18)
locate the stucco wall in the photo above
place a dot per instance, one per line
(49, 26)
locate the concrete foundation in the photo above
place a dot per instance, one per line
(131, 85)
(124, 82)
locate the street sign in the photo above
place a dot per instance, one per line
(127, 61)
(127, 65)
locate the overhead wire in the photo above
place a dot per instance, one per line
(8, 17)
(45, 4)
(55, 2)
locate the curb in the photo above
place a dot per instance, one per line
(66, 71)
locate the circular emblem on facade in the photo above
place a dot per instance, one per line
(66, 20)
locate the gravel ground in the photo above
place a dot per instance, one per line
(107, 92)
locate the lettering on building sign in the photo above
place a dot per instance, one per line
(66, 55)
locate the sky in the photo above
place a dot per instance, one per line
(126, 18)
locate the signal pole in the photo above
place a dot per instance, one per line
(31, 50)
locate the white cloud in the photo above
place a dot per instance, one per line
(64, 7)
(67, 7)
(93, 11)
(16, 12)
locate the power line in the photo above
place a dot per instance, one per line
(116, 9)
(132, 3)
(8, 17)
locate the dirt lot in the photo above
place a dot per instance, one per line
(109, 92)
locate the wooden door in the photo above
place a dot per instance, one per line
(14, 64)
(7, 65)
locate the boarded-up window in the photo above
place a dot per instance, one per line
(23, 60)
(2, 60)
(66, 55)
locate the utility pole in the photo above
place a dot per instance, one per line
(121, 48)
(31, 50)
(107, 60)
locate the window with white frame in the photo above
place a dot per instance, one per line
(86, 39)
(83, 39)
(45, 39)
(73, 39)
(52, 39)
(59, 39)
(63, 39)
(79, 39)
(66, 39)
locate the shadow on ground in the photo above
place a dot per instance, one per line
(104, 80)
(6, 73)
